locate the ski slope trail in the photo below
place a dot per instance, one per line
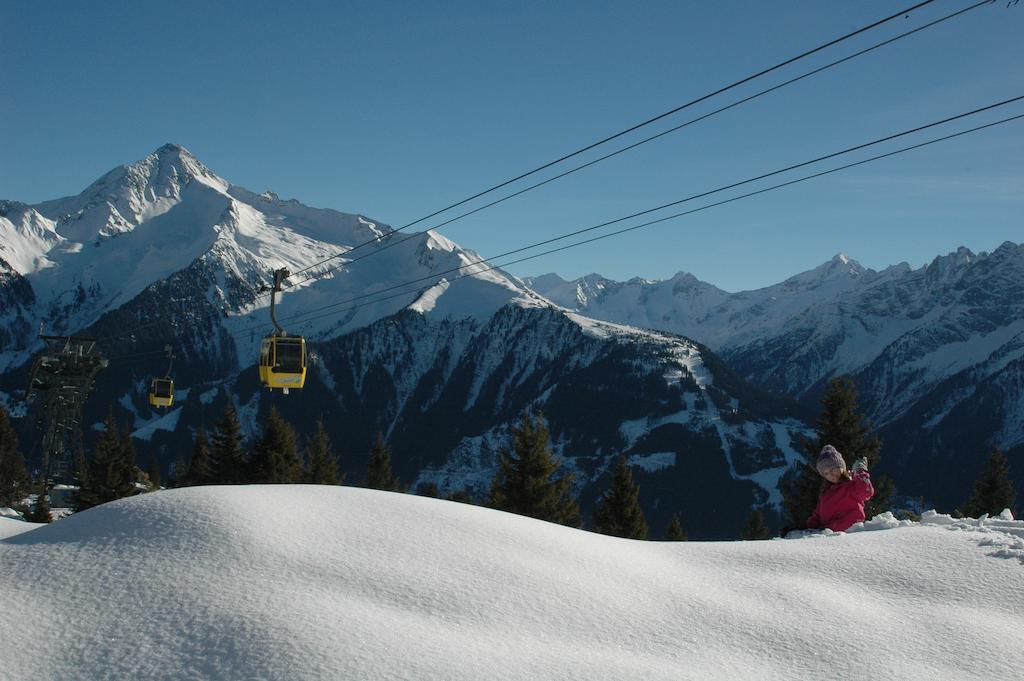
(304, 582)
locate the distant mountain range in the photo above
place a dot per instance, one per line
(936, 352)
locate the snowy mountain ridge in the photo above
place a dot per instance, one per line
(685, 305)
(844, 315)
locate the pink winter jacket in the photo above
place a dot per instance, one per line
(842, 504)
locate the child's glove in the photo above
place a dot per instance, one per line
(859, 465)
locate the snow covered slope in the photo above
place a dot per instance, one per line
(297, 582)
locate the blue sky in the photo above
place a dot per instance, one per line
(394, 110)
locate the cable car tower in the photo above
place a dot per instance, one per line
(64, 373)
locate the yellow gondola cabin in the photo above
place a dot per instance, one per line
(283, 362)
(161, 392)
(282, 357)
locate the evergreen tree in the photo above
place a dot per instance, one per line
(112, 470)
(82, 478)
(845, 428)
(176, 471)
(618, 512)
(13, 476)
(40, 512)
(275, 457)
(378, 470)
(526, 481)
(200, 467)
(128, 461)
(463, 496)
(321, 461)
(428, 489)
(229, 466)
(154, 472)
(756, 528)
(675, 531)
(993, 490)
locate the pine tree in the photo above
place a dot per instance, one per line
(134, 473)
(462, 496)
(275, 457)
(40, 512)
(845, 428)
(229, 466)
(526, 481)
(321, 461)
(154, 472)
(428, 489)
(993, 490)
(675, 531)
(112, 471)
(618, 512)
(176, 472)
(83, 480)
(200, 466)
(13, 476)
(756, 528)
(378, 469)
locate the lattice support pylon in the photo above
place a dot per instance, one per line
(64, 372)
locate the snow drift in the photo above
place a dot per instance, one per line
(304, 582)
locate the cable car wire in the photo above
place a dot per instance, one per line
(393, 243)
(654, 119)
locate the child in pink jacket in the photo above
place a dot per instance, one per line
(842, 498)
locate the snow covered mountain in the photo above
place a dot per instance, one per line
(690, 307)
(937, 352)
(163, 250)
(302, 582)
(140, 224)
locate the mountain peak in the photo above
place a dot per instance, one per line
(841, 271)
(944, 266)
(845, 262)
(128, 195)
(841, 258)
(175, 162)
(171, 147)
(545, 280)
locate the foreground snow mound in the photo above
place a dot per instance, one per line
(303, 582)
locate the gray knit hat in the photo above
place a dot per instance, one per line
(830, 458)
